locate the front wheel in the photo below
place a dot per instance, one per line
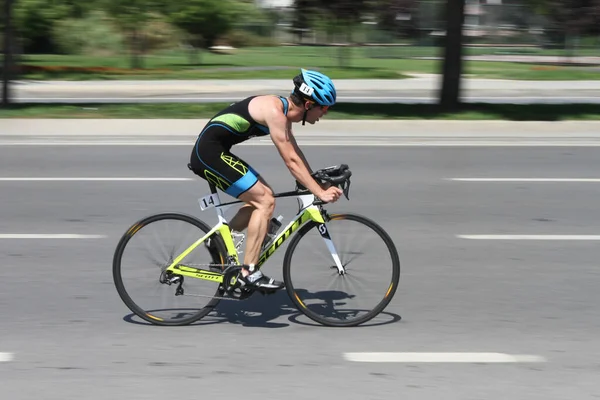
(370, 270)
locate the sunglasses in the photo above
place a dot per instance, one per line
(324, 108)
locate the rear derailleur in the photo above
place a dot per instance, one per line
(169, 278)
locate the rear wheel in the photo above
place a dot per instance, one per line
(139, 269)
(370, 261)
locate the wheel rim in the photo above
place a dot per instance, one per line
(372, 272)
(142, 283)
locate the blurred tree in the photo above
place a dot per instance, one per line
(344, 16)
(131, 16)
(397, 16)
(595, 13)
(34, 21)
(304, 12)
(205, 21)
(569, 20)
(346, 11)
(75, 8)
(95, 33)
(7, 62)
(452, 63)
(248, 16)
(537, 6)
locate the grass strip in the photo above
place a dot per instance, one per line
(282, 62)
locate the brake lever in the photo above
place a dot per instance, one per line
(346, 189)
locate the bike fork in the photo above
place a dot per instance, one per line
(331, 247)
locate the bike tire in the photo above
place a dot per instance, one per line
(386, 297)
(117, 273)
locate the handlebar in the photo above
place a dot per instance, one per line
(337, 175)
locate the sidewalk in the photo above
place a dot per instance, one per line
(332, 128)
(214, 86)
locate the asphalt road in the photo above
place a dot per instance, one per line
(422, 89)
(65, 333)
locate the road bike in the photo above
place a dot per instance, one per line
(204, 264)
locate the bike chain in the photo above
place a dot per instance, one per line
(213, 297)
(209, 265)
(223, 266)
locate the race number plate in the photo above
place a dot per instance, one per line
(207, 202)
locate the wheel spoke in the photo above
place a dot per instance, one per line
(157, 243)
(349, 299)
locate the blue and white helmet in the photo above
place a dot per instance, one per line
(315, 86)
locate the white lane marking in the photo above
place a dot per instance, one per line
(526, 179)
(49, 236)
(529, 237)
(92, 179)
(6, 357)
(442, 357)
(94, 143)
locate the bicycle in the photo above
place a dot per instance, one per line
(219, 274)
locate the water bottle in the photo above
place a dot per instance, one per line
(272, 229)
(238, 240)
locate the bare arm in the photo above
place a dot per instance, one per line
(284, 140)
(299, 151)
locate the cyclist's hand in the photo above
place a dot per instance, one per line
(331, 194)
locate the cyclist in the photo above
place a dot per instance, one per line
(262, 115)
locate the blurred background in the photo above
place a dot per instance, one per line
(176, 37)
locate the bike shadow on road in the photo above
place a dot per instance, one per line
(256, 311)
(261, 311)
(269, 311)
(266, 311)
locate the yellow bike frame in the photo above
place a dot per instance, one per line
(308, 212)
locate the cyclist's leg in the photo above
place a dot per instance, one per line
(241, 219)
(236, 178)
(215, 164)
(261, 204)
(252, 189)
